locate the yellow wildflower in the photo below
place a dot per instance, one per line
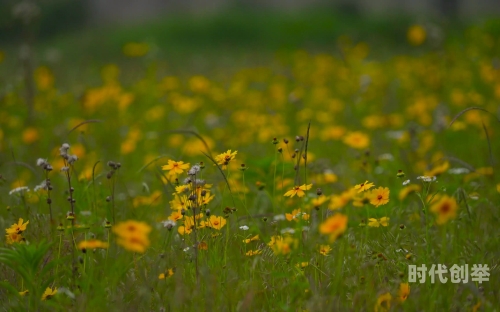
(298, 190)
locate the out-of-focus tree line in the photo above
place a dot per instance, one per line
(44, 18)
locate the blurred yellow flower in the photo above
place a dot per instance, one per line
(318, 201)
(175, 216)
(43, 78)
(383, 303)
(133, 235)
(357, 139)
(92, 244)
(384, 221)
(339, 201)
(135, 49)
(49, 293)
(168, 273)
(12, 238)
(445, 207)
(435, 171)
(325, 249)
(248, 240)
(253, 252)
(296, 215)
(416, 35)
(409, 189)
(24, 293)
(404, 291)
(334, 226)
(282, 245)
(30, 135)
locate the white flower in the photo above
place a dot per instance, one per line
(19, 190)
(72, 159)
(396, 135)
(406, 182)
(41, 162)
(63, 151)
(287, 231)
(194, 170)
(41, 186)
(279, 217)
(168, 223)
(386, 156)
(244, 228)
(426, 178)
(186, 249)
(458, 171)
(64, 290)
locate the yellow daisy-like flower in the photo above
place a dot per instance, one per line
(14, 238)
(183, 189)
(334, 226)
(383, 303)
(133, 235)
(169, 273)
(283, 245)
(357, 140)
(224, 158)
(203, 245)
(363, 186)
(248, 240)
(131, 228)
(188, 226)
(92, 244)
(339, 201)
(438, 169)
(296, 215)
(253, 252)
(302, 265)
(17, 227)
(384, 221)
(318, 201)
(409, 189)
(175, 167)
(325, 249)
(404, 291)
(445, 208)
(379, 196)
(24, 293)
(176, 216)
(49, 293)
(416, 35)
(298, 190)
(215, 222)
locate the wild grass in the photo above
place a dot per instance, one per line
(315, 125)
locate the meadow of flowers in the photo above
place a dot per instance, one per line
(307, 184)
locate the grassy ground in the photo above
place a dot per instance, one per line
(369, 106)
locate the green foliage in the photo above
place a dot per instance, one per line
(33, 264)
